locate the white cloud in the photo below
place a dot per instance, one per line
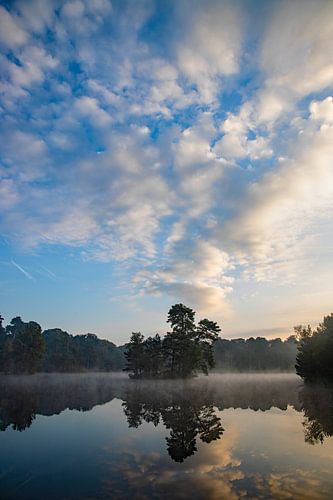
(322, 110)
(8, 194)
(296, 54)
(197, 274)
(278, 211)
(34, 63)
(197, 166)
(73, 9)
(36, 15)
(177, 233)
(210, 44)
(25, 154)
(89, 107)
(11, 34)
(109, 96)
(235, 142)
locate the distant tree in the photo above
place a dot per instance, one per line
(153, 356)
(134, 355)
(206, 335)
(24, 347)
(2, 344)
(255, 354)
(61, 352)
(68, 353)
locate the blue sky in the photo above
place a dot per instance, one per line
(160, 151)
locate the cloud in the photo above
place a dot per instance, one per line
(36, 15)
(295, 54)
(209, 47)
(322, 110)
(11, 34)
(88, 106)
(197, 166)
(236, 143)
(278, 210)
(8, 194)
(184, 143)
(196, 272)
(74, 8)
(25, 154)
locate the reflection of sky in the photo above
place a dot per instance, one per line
(95, 454)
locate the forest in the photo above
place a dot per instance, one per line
(184, 351)
(24, 348)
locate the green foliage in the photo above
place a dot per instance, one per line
(188, 348)
(22, 347)
(25, 349)
(68, 353)
(183, 352)
(315, 352)
(134, 355)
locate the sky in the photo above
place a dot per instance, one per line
(156, 152)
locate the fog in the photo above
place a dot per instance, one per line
(48, 394)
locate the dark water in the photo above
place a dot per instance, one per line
(222, 437)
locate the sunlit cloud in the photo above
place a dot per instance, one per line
(188, 147)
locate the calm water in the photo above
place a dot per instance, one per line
(226, 436)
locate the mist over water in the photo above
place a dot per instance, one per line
(223, 436)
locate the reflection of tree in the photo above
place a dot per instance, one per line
(139, 406)
(187, 411)
(19, 412)
(317, 405)
(23, 397)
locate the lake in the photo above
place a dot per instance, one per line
(96, 436)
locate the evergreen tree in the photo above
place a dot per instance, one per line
(206, 334)
(2, 344)
(184, 351)
(315, 351)
(134, 355)
(152, 356)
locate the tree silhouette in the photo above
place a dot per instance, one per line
(135, 355)
(315, 351)
(184, 351)
(22, 347)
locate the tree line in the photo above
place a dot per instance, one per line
(24, 348)
(255, 354)
(188, 348)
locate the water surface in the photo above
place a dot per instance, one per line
(104, 436)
